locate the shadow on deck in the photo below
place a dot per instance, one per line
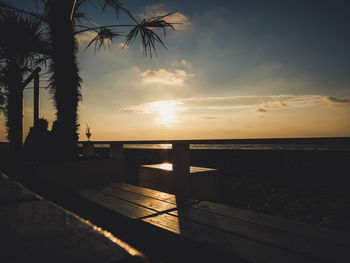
(207, 231)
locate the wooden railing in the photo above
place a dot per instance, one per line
(180, 159)
(181, 150)
(181, 147)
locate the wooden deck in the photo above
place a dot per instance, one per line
(33, 229)
(251, 236)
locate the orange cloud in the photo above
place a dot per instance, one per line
(262, 110)
(163, 76)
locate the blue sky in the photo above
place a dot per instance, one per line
(233, 69)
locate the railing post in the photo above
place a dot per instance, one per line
(181, 168)
(116, 150)
(88, 148)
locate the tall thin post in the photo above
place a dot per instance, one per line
(36, 97)
(35, 76)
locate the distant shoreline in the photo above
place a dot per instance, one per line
(305, 140)
(302, 140)
(322, 144)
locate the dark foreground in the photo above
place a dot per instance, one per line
(308, 186)
(36, 230)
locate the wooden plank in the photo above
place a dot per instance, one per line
(140, 200)
(315, 248)
(117, 205)
(39, 231)
(146, 192)
(303, 229)
(247, 249)
(170, 198)
(155, 186)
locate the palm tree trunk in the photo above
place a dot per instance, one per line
(65, 79)
(14, 111)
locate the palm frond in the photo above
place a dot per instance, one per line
(6, 7)
(17, 29)
(79, 16)
(23, 40)
(149, 37)
(115, 4)
(104, 35)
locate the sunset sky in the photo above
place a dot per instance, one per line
(232, 69)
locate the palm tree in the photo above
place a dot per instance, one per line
(62, 17)
(20, 42)
(65, 83)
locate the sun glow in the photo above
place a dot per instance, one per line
(166, 111)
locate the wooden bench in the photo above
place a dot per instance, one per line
(232, 232)
(35, 230)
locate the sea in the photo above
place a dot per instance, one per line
(250, 146)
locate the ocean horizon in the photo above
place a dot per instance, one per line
(250, 146)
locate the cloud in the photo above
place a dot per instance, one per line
(186, 64)
(259, 104)
(267, 102)
(335, 101)
(261, 110)
(163, 76)
(160, 10)
(209, 118)
(85, 37)
(153, 107)
(275, 104)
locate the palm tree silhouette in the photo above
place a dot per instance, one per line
(62, 18)
(21, 44)
(65, 82)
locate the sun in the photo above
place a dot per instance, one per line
(166, 111)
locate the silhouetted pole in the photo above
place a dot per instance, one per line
(36, 97)
(35, 76)
(31, 76)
